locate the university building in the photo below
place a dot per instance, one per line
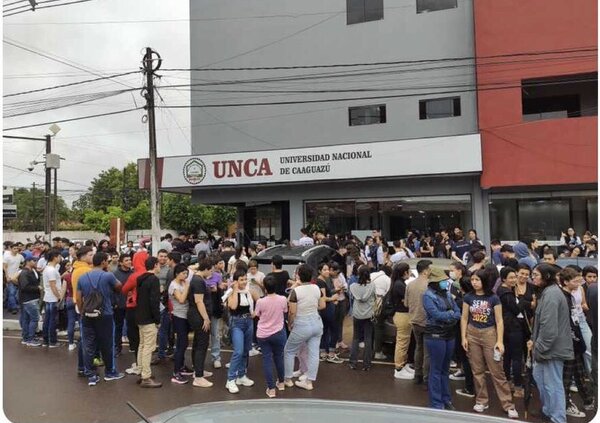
(454, 112)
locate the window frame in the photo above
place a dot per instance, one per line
(382, 114)
(456, 107)
(364, 12)
(435, 10)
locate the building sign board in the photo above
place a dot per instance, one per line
(411, 157)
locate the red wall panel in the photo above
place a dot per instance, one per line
(516, 153)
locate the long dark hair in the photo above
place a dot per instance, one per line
(488, 280)
(399, 270)
(364, 276)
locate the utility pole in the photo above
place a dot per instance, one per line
(149, 70)
(47, 207)
(55, 205)
(33, 222)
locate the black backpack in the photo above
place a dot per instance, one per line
(93, 303)
(388, 308)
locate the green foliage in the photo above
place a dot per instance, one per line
(30, 210)
(180, 214)
(136, 218)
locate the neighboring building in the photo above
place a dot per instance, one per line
(539, 138)
(401, 148)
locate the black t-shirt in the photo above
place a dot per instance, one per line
(398, 293)
(461, 247)
(327, 285)
(226, 255)
(198, 286)
(282, 279)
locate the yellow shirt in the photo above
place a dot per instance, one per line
(79, 268)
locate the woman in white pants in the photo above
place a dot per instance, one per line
(305, 324)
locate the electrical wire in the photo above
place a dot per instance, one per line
(5, 15)
(73, 119)
(87, 81)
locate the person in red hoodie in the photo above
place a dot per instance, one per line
(130, 291)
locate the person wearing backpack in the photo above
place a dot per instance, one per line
(94, 300)
(382, 282)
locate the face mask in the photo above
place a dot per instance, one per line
(453, 275)
(444, 285)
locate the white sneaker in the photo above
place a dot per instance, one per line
(133, 370)
(480, 408)
(72, 347)
(380, 356)
(453, 364)
(297, 373)
(457, 376)
(361, 345)
(244, 381)
(217, 364)
(253, 352)
(303, 378)
(513, 414)
(227, 365)
(124, 339)
(403, 374)
(573, 411)
(207, 374)
(232, 387)
(409, 368)
(62, 333)
(573, 388)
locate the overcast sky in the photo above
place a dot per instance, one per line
(90, 146)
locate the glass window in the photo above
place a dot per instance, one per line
(337, 217)
(367, 215)
(358, 11)
(439, 108)
(543, 219)
(424, 6)
(366, 115)
(592, 215)
(560, 97)
(504, 220)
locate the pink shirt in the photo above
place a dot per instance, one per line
(270, 310)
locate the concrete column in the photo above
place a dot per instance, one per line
(296, 217)
(481, 211)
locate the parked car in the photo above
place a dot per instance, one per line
(303, 410)
(293, 256)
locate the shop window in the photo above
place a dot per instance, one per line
(366, 115)
(439, 108)
(560, 97)
(504, 219)
(358, 11)
(424, 6)
(337, 216)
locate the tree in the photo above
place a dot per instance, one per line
(30, 210)
(180, 214)
(113, 187)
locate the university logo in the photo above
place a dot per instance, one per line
(194, 171)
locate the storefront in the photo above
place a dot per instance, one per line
(396, 186)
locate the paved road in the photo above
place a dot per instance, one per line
(41, 385)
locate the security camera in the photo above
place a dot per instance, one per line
(30, 168)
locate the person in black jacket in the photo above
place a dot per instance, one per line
(147, 316)
(514, 314)
(29, 297)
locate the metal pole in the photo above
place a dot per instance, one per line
(47, 215)
(154, 194)
(33, 222)
(55, 205)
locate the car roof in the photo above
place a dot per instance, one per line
(291, 252)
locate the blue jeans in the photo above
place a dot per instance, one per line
(330, 335)
(11, 297)
(548, 378)
(49, 326)
(98, 333)
(30, 316)
(306, 329)
(71, 318)
(240, 329)
(163, 333)
(182, 330)
(586, 332)
(215, 339)
(272, 350)
(438, 386)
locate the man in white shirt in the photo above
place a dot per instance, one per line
(11, 264)
(202, 245)
(165, 244)
(53, 293)
(305, 240)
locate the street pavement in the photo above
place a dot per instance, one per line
(41, 385)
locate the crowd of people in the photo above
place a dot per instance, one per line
(500, 310)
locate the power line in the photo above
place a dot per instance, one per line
(397, 62)
(41, 175)
(70, 84)
(5, 15)
(73, 119)
(329, 100)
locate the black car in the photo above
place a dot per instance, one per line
(293, 256)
